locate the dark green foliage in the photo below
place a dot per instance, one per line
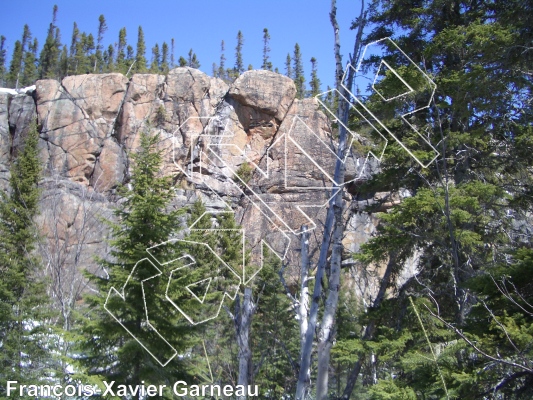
(315, 82)
(121, 55)
(464, 221)
(239, 63)
(29, 74)
(298, 71)
(193, 61)
(164, 58)
(144, 221)
(15, 65)
(156, 59)
(26, 350)
(288, 67)
(2, 60)
(140, 58)
(49, 57)
(266, 51)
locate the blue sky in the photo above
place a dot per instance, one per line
(200, 25)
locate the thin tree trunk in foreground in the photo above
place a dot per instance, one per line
(334, 212)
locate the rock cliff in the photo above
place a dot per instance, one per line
(250, 148)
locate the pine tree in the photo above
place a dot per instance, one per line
(15, 65)
(30, 69)
(172, 63)
(144, 222)
(74, 48)
(140, 58)
(109, 59)
(266, 51)
(63, 63)
(24, 350)
(298, 70)
(49, 56)
(2, 60)
(121, 55)
(102, 28)
(182, 62)
(239, 64)
(222, 65)
(26, 37)
(89, 54)
(154, 67)
(315, 82)
(193, 60)
(288, 66)
(164, 58)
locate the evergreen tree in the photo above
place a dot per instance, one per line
(102, 28)
(30, 69)
(49, 56)
(222, 65)
(63, 63)
(154, 67)
(89, 55)
(315, 82)
(453, 340)
(164, 58)
(193, 60)
(74, 48)
(266, 51)
(182, 62)
(24, 349)
(130, 54)
(2, 60)
(144, 222)
(109, 58)
(298, 71)
(26, 37)
(239, 64)
(172, 63)
(15, 65)
(288, 67)
(121, 55)
(140, 59)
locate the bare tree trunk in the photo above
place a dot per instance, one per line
(327, 327)
(242, 324)
(334, 212)
(303, 308)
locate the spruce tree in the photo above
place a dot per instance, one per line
(25, 353)
(29, 74)
(182, 61)
(193, 61)
(144, 221)
(154, 67)
(74, 48)
(140, 58)
(121, 54)
(222, 65)
(109, 59)
(49, 56)
(298, 71)
(15, 65)
(172, 63)
(239, 64)
(102, 28)
(288, 67)
(315, 82)
(164, 58)
(2, 60)
(266, 51)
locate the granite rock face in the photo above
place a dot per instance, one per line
(250, 148)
